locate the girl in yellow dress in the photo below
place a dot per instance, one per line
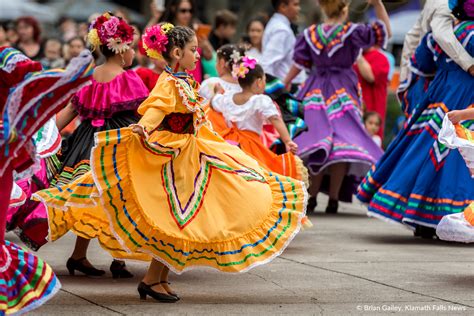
(171, 190)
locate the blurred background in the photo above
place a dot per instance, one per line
(68, 19)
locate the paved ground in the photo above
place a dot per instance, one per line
(347, 264)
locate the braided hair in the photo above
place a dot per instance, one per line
(226, 51)
(178, 37)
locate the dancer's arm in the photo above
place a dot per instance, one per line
(365, 70)
(443, 33)
(381, 14)
(279, 125)
(294, 71)
(461, 115)
(65, 116)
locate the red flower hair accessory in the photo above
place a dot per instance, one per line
(111, 31)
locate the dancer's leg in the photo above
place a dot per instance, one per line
(153, 275)
(338, 172)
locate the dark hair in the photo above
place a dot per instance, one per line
(31, 21)
(252, 76)
(277, 3)
(460, 13)
(368, 115)
(172, 9)
(77, 38)
(178, 36)
(106, 51)
(225, 52)
(225, 18)
(260, 19)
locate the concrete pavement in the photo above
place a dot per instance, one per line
(347, 264)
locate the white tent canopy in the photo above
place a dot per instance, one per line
(13, 9)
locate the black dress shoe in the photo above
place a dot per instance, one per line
(73, 265)
(312, 203)
(119, 270)
(425, 232)
(332, 207)
(170, 293)
(144, 290)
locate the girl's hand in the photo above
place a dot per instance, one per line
(456, 116)
(291, 147)
(218, 89)
(138, 130)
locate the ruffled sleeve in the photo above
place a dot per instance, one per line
(368, 35)
(218, 103)
(265, 106)
(302, 52)
(162, 101)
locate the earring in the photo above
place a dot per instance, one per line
(123, 61)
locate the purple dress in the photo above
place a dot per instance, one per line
(331, 99)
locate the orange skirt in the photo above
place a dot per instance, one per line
(286, 164)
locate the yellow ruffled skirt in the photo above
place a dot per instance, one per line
(184, 200)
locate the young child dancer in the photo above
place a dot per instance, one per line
(337, 143)
(226, 55)
(373, 123)
(458, 227)
(110, 102)
(413, 182)
(245, 114)
(174, 190)
(28, 98)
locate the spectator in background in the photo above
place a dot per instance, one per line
(181, 12)
(67, 28)
(12, 35)
(373, 124)
(373, 69)
(74, 47)
(29, 38)
(82, 29)
(225, 27)
(52, 54)
(3, 36)
(255, 29)
(279, 40)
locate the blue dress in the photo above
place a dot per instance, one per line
(418, 180)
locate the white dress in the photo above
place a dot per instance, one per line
(207, 87)
(455, 227)
(250, 116)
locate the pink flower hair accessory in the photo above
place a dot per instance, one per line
(155, 40)
(249, 62)
(111, 31)
(242, 68)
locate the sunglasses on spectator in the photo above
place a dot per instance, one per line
(185, 11)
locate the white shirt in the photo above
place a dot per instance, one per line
(255, 54)
(277, 48)
(207, 87)
(250, 116)
(436, 17)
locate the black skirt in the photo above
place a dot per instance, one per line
(75, 153)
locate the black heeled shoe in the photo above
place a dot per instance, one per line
(119, 270)
(73, 265)
(170, 293)
(332, 207)
(425, 232)
(144, 290)
(312, 203)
